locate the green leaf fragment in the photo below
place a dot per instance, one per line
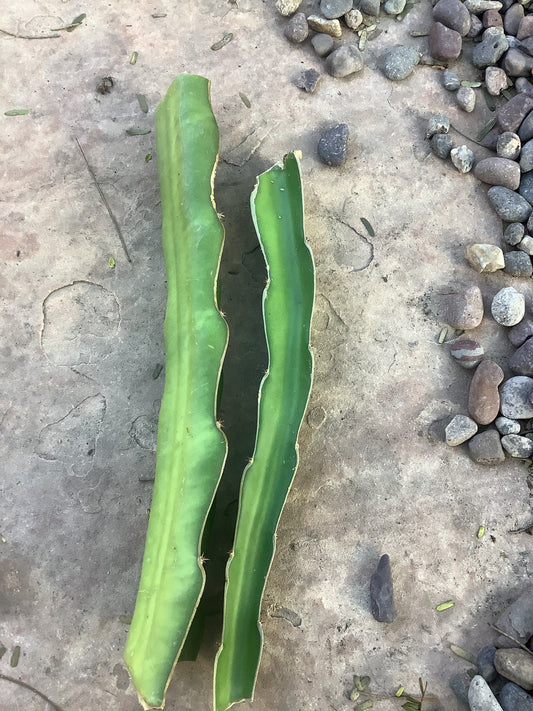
(480, 532)
(487, 128)
(508, 94)
(147, 157)
(124, 619)
(354, 695)
(442, 335)
(76, 21)
(3, 650)
(245, 100)
(362, 40)
(467, 656)
(157, 370)
(133, 58)
(368, 226)
(15, 656)
(364, 705)
(361, 682)
(223, 42)
(489, 99)
(138, 131)
(400, 691)
(277, 212)
(16, 112)
(471, 84)
(143, 104)
(445, 605)
(111, 262)
(191, 448)
(411, 706)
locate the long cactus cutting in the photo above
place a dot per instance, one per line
(191, 448)
(277, 210)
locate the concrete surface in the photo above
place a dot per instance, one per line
(79, 343)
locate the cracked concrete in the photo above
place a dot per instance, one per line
(80, 343)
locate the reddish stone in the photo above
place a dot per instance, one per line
(484, 398)
(444, 44)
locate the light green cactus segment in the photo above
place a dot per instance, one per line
(277, 210)
(191, 449)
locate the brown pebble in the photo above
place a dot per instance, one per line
(484, 398)
(464, 308)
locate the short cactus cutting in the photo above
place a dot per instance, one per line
(191, 448)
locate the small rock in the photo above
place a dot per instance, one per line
(450, 80)
(464, 308)
(353, 19)
(438, 123)
(498, 171)
(521, 362)
(399, 62)
(287, 7)
(514, 400)
(444, 44)
(480, 697)
(485, 448)
(516, 446)
(519, 334)
(332, 145)
(525, 29)
(525, 132)
(462, 158)
(511, 115)
(508, 145)
(490, 32)
(453, 14)
(297, 29)
(513, 698)
(344, 61)
(517, 619)
(526, 157)
(331, 9)
(485, 258)
(513, 233)
(369, 7)
(518, 264)
(512, 17)
(526, 245)
(489, 51)
(505, 426)
(394, 7)
(327, 27)
(382, 592)
(515, 665)
(441, 144)
(476, 6)
(485, 662)
(459, 430)
(308, 80)
(467, 353)
(523, 85)
(495, 80)
(459, 684)
(525, 45)
(466, 99)
(510, 206)
(484, 398)
(514, 43)
(508, 306)
(476, 26)
(517, 64)
(492, 18)
(526, 187)
(322, 44)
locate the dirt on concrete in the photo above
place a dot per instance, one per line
(81, 341)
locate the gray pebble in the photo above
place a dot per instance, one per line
(517, 64)
(394, 7)
(464, 308)
(332, 9)
(514, 43)
(480, 697)
(513, 698)
(510, 206)
(399, 62)
(525, 132)
(476, 26)
(495, 80)
(441, 144)
(498, 171)
(514, 398)
(517, 446)
(450, 80)
(489, 51)
(322, 44)
(476, 6)
(382, 592)
(459, 684)
(512, 17)
(308, 80)
(526, 187)
(438, 123)
(526, 157)
(491, 31)
(508, 145)
(508, 306)
(515, 665)
(521, 362)
(518, 264)
(529, 224)
(459, 430)
(513, 233)
(462, 158)
(525, 28)
(505, 426)
(511, 114)
(520, 333)
(523, 85)
(517, 619)
(485, 659)
(287, 7)
(485, 448)
(344, 61)
(297, 29)
(444, 44)
(353, 19)
(332, 145)
(453, 14)
(526, 245)
(370, 7)
(466, 99)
